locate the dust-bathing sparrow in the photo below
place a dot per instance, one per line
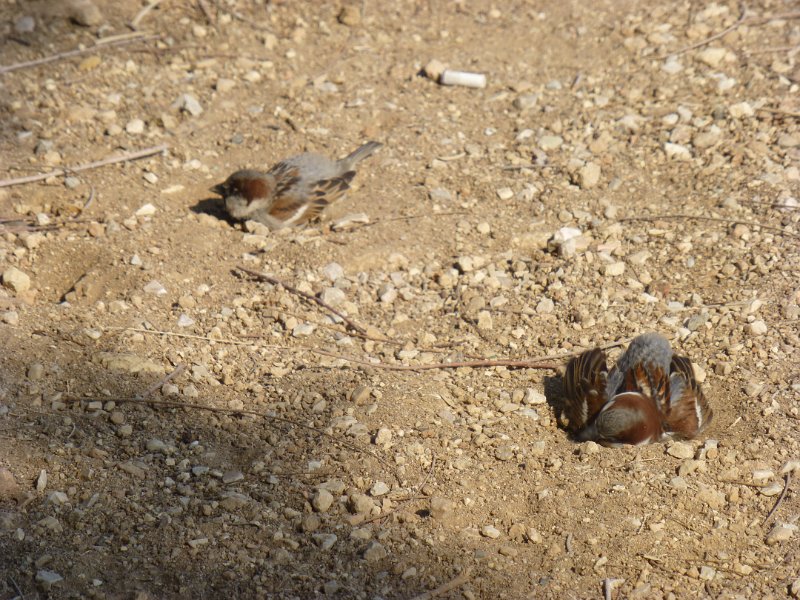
(292, 192)
(650, 395)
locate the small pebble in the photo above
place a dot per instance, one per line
(374, 552)
(135, 126)
(322, 500)
(490, 531)
(681, 450)
(505, 193)
(155, 288)
(781, 532)
(16, 280)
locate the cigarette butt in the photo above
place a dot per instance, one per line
(473, 80)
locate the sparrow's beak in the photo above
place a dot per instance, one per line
(218, 189)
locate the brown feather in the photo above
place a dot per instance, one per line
(649, 380)
(690, 413)
(585, 388)
(252, 189)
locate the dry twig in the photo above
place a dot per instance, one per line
(158, 384)
(714, 37)
(743, 19)
(520, 364)
(99, 45)
(780, 113)
(788, 480)
(125, 157)
(608, 587)
(712, 219)
(134, 24)
(309, 297)
(447, 587)
(20, 595)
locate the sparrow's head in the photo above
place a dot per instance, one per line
(245, 192)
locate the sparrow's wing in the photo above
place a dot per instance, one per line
(328, 191)
(687, 412)
(287, 178)
(647, 379)
(584, 388)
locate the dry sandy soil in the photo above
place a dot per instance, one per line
(273, 464)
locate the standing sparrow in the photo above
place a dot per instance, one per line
(292, 192)
(650, 395)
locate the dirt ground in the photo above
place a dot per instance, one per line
(174, 427)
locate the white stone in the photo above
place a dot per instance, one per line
(758, 327)
(681, 450)
(614, 269)
(135, 126)
(780, 533)
(712, 56)
(332, 296)
(16, 280)
(490, 531)
(188, 103)
(332, 271)
(185, 320)
(740, 110)
(379, 488)
(589, 175)
(533, 397)
(146, 210)
(505, 193)
(303, 329)
(550, 142)
(677, 151)
(156, 288)
(545, 306)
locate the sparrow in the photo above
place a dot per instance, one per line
(649, 396)
(292, 192)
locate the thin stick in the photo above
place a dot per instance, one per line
(712, 219)
(780, 113)
(20, 595)
(113, 39)
(521, 364)
(790, 49)
(447, 587)
(535, 363)
(412, 217)
(740, 21)
(771, 204)
(206, 11)
(142, 14)
(158, 384)
(714, 37)
(309, 297)
(780, 498)
(70, 53)
(184, 335)
(608, 587)
(127, 156)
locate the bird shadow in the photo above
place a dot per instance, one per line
(213, 207)
(554, 394)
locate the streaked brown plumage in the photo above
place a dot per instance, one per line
(650, 395)
(292, 192)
